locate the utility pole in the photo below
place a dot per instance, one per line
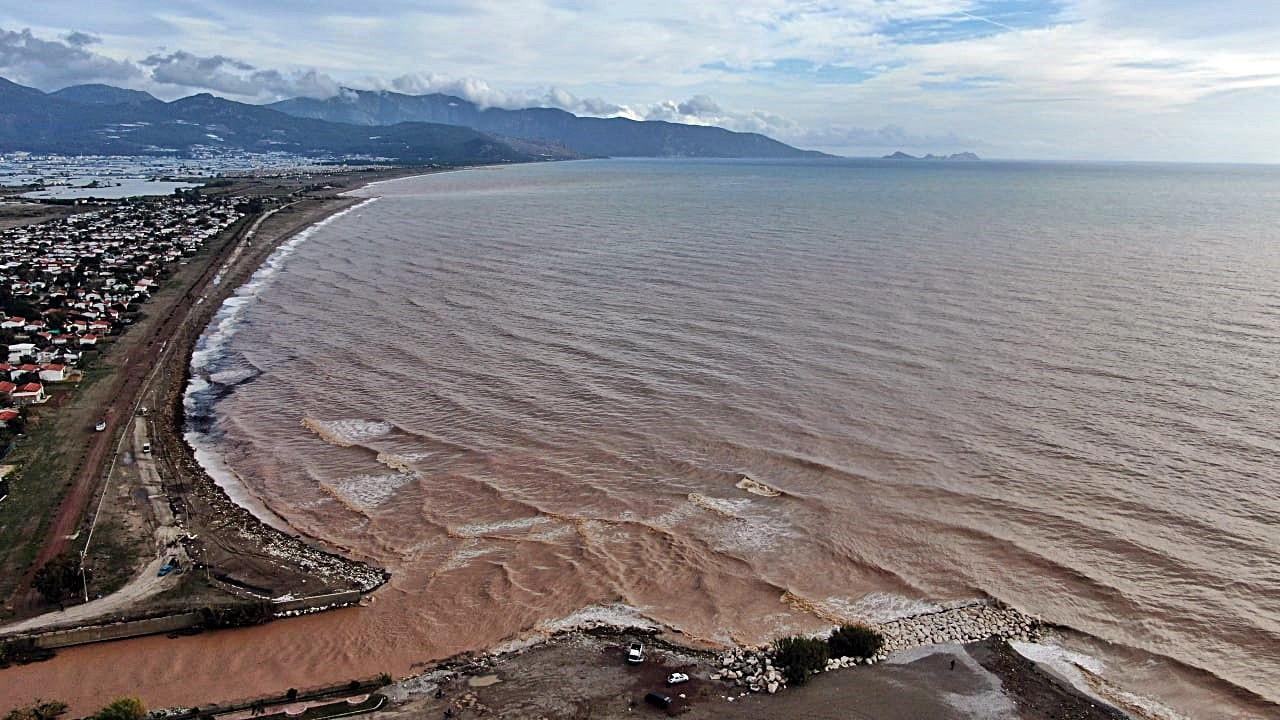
(84, 580)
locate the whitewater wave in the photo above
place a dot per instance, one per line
(1087, 674)
(881, 607)
(729, 509)
(364, 493)
(213, 342)
(348, 432)
(755, 487)
(202, 390)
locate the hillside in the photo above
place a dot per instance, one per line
(103, 120)
(589, 135)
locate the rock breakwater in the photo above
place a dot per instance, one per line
(753, 668)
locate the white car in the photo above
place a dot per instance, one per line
(677, 678)
(102, 425)
(635, 653)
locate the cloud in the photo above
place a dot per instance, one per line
(80, 39)
(50, 64)
(483, 94)
(236, 77)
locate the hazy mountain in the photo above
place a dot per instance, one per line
(589, 135)
(83, 120)
(98, 94)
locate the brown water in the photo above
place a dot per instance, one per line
(746, 399)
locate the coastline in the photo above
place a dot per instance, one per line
(222, 499)
(243, 558)
(224, 510)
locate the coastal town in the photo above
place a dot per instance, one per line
(70, 284)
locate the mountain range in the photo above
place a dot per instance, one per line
(618, 137)
(442, 129)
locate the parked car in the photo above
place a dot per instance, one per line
(677, 678)
(146, 448)
(102, 425)
(635, 653)
(662, 700)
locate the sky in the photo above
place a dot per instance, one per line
(1179, 80)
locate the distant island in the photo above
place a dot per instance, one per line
(899, 155)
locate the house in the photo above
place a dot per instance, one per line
(7, 415)
(13, 323)
(17, 372)
(7, 388)
(53, 373)
(18, 350)
(29, 394)
(88, 339)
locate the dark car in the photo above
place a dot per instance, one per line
(661, 700)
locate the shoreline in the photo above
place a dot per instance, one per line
(232, 261)
(202, 322)
(1014, 626)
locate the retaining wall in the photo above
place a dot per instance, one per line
(85, 635)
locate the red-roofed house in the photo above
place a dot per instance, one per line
(13, 323)
(29, 394)
(53, 373)
(88, 339)
(7, 387)
(16, 372)
(7, 415)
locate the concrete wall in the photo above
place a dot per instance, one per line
(315, 601)
(171, 623)
(116, 631)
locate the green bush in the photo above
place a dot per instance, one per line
(799, 657)
(857, 641)
(60, 578)
(125, 708)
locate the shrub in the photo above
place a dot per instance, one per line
(857, 641)
(38, 710)
(125, 708)
(799, 657)
(59, 579)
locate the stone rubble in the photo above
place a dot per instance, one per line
(752, 668)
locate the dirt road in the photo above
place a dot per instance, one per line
(145, 585)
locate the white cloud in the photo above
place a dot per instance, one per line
(1031, 76)
(236, 78)
(28, 59)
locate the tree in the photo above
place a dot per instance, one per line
(60, 578)
(858, 641)
(38, 710)
(125, 708)
(799, 657)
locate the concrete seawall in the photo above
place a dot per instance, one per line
(115, 631)
(87, 634)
